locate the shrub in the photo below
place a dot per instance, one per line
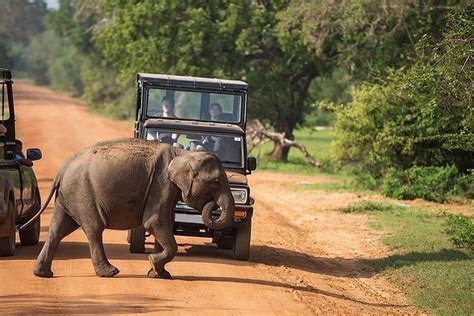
(429, 183)
(420, 115)
(371, 206)
(461, 231)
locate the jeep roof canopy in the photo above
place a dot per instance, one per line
(191, 98)
(192, 82)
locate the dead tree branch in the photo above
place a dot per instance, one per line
(258, 135)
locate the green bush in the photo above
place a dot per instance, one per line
(64, 71)
(461, 231)
(371, 206)
(429, 183)
(420, 115)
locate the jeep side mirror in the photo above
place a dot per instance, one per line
(252, 163)
(34, 154)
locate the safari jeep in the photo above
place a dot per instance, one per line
(200, 114)
(19, 193)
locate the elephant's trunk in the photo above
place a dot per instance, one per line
(226, 217)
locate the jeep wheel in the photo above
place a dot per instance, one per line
(7, 244)
(242, 242)
(137, 240)
(31, 235)
(225, 243)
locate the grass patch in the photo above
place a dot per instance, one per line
(437, 276)
(341, 183)
(318, 144)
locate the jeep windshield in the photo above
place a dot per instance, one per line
(227, 147)
(194, 105)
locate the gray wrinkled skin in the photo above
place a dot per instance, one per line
(123, 184)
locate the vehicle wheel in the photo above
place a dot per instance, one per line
(31, 236)
(242, 242)
(225, 243)
(137, 240)
(7, 244)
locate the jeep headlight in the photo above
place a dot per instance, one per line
(240, 195)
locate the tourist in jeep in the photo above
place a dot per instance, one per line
(20, 156)
(167, 108)
(215, 111)
(167, 111)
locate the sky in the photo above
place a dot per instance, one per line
(52, 4)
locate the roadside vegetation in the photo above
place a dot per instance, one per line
(392, 76)
(432, 256)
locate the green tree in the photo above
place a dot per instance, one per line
(254, 41)
(20, 21)
(422, 115)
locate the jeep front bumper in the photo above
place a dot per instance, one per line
(188, 222)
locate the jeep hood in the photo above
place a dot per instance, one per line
(236, 178)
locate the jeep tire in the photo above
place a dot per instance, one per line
(225, 243)
(31, 235)
(7, 243)
(242, 242)
(137, 239)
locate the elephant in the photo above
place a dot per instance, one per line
(125, 183)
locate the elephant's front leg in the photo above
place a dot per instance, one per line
(164, 236)
(102, 266)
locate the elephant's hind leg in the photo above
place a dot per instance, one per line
(164, 236)
(102, 266)
(60, 226)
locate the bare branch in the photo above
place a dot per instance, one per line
(257, 135)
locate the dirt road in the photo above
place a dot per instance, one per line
(305, 257)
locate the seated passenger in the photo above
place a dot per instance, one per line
(167, 108)
(215, 110)
(19, 156)
(168, 138)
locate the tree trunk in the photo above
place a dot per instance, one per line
(280, 152)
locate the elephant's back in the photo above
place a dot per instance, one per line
(115, 175)
(125, 147)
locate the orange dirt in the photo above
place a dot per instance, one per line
(305, 258)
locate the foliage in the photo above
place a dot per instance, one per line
(80, 67)
(422, 262)
(418, 116)
(235, 39)
(20, 21)
(371, 206)
(379, 35)
(296, 54)
(461, 231)
(429, 183)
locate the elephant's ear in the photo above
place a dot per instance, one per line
(181, 173)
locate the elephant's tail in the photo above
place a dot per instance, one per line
(53, 190)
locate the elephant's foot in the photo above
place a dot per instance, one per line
(164, 274)
(106, 271)
(42, 272)
(152, 273)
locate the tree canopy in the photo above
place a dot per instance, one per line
(295, 54)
